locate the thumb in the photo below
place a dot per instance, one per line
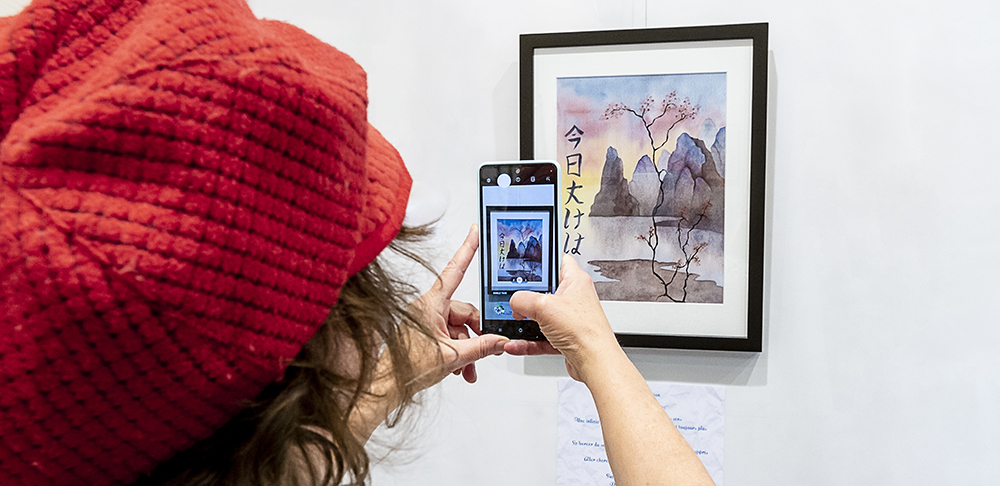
(525, 304)
(476, 348)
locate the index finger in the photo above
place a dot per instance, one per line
(454, 271)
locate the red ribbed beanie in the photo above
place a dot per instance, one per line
(185, 189)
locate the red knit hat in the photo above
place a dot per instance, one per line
(185, 189)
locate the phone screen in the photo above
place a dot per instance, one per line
(518, 221)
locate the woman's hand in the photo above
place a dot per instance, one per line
(571, 319)
(449, 348)
(452, 324)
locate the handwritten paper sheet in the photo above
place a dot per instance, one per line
(698, 412)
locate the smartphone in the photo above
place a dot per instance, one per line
(518, 223)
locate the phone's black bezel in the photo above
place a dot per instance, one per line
(523, 329)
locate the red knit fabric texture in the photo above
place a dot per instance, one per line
(185, 189)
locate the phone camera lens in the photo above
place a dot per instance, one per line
(517, 179)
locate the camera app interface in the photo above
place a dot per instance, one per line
(519, 223)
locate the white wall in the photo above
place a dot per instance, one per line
(881, 321)
(881, 313)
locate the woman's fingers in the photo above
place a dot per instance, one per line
(463, 314)
(469, 373)
(467, 351)
(529, 348)
(454, 271)
(526, 305)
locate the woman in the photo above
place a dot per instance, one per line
(191, 210)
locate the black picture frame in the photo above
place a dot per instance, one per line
(556, 50)
(544, 212)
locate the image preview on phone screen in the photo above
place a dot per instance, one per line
(518, 222)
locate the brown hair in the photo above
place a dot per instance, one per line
(296, 431)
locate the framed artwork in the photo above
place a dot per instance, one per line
(516, 242)
(661, 134)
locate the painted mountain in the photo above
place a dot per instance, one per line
(533, 250)
(690, 184)
(614, 198)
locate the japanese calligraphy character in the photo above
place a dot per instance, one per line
(575, 250)
(577, 216)
(572, 193)
(574, 139)
(567, 216)
(573, 163)
(503, 253)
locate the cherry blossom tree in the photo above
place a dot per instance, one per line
(659, 119)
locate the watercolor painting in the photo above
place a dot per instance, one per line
(517, 247)
(644, 161)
